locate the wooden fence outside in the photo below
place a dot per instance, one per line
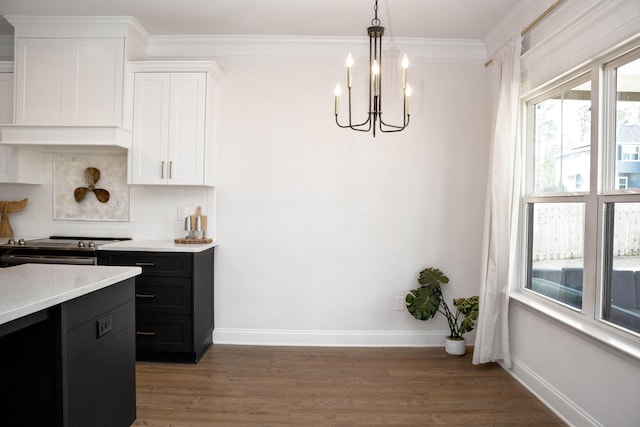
(559, 231)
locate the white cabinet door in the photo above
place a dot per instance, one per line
(187, 128)
(150, 128)
(169, 128)
(17, 165)
(69, 81)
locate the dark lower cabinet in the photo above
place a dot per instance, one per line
(72, 365)
(99, 369)
(30, 373)
(174, 303)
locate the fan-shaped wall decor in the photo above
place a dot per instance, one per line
(72, 172)
(92, 176)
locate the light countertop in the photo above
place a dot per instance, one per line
(29, 288)
(156, 246)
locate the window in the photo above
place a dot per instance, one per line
(561, 140)
(622, 183)
(559, 167)
(622, 265)
(624, 74)
(628, 152)
(582, 198)
(621, 218)
(555, 253)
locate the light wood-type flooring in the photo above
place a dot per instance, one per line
(318, 386)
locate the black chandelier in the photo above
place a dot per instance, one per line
(374, 117)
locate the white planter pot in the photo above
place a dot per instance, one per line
(455, 347)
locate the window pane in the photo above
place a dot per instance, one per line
(556, 251)
(628, 124)
(561, 141)
(622, 281)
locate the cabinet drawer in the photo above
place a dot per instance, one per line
(152, 263)
(167, 295)
(163, 333)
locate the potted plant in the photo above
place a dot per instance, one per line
(427, 300)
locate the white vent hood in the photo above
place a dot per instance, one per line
(70, 82)
(66, 138)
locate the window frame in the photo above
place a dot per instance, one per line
(602, 190)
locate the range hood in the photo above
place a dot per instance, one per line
(70, 82)
(49, 138)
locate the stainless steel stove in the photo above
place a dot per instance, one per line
(54, 250)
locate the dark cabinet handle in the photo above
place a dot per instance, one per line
(147, 334)
(145, 264)
(145, 296)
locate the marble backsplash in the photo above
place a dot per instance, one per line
(153, 210)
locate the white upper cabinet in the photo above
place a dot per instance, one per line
(173, 123)
(70, 81)
(17, 165)
(76, 82)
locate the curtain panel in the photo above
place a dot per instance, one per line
(501, 208)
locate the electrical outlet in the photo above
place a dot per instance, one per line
(399, 303)
(104, 325)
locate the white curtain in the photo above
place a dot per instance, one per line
(501, 209)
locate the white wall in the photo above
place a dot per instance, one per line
(320, 228)
(583, 380)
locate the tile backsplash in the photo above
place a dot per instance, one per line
(154, 211)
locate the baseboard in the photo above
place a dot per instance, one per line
(560, 404)
(330, 338)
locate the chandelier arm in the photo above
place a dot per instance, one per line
(351, 125)
(404, 115)
(395, 128)
(404, 125)
(355, 127)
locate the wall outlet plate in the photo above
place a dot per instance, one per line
(104, 325)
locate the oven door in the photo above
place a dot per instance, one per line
(8, 260)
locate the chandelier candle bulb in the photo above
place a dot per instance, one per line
(375, 70)
(337, 91)
(405, 65)
(349, 65)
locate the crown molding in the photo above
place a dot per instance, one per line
(75, 26)
(219, 46)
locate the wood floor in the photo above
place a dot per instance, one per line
(310, 386)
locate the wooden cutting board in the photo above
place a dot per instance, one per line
(185, 241)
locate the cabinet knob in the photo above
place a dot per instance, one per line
(171, 170)
(162, 170)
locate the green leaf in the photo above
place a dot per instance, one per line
(422, 303)
(432, 277)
